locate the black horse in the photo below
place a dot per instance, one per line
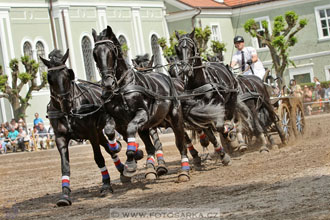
(139, 101)
(252, 91)
(75, 112)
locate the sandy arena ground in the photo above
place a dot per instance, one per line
(292, 182)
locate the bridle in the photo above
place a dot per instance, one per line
(61, 97)
(109, 72)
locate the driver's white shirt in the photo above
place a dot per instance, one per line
(257, 67)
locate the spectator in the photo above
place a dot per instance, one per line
(7, 126)
(37, 120)
(295, 89)
(320, 91)
(2, 128)
(14, 124)
(308, 94)
(22, 138)
(51, 136)
(4, 141)
(21, 123)
(42, 136)
(316, 80)
(12, 136)
(327, 92)
(33, 134)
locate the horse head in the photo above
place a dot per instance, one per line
(59, 79)
(186, 51)
(106, 53)
(142, 62)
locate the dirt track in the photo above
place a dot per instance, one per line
(290, 183)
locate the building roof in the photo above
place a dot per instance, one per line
(225, 4)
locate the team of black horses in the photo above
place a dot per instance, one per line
(204, 97)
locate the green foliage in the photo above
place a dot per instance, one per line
(202, 36)
(218, 47)
(291, 18)
(283, 37)
(12, 92)
(124, 48)
(24, 77)
(324, 84)
(3, 82)
(44, 76)
(14, 65)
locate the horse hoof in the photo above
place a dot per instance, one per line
(130, 166)
(161, 170)
(183, 177)
(225, 159)
(264, 150)
(197, 161)
(151, 176)
(64, 201)
(125, 179)
(105, 190)
(129, 173)
(242, 148)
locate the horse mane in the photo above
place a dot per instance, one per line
(55, 57)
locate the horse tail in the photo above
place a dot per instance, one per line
(201, 115)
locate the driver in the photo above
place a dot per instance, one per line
(247, 58)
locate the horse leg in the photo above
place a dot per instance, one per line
(194, 153)
(203, 139)
(242, 146)
(150, 164)
(99, 159)
(115, 158)
(161, 169)
(62, 147)
(132, 151)
(219, 150)
(177, 126)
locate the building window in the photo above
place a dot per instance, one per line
(88, 59)
(124, 46)
(303, 74)
(323, 21)
(27, 49)
(260, 30)
(156, 50)
(41, 53)
(215, 30)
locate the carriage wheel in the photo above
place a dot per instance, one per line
(285, 117)
(299, 120)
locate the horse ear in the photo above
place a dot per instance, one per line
(71, 74)
(46, 62)
(109, 31)
(151, 61)
(177, 35)
(94, 34)
(134, 63)
(65, 57)
(192, 34)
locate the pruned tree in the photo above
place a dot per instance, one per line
(202, 37)
(19, 99)
(282, 38)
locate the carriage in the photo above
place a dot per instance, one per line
(290, 110)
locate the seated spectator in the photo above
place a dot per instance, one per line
(33, 135)
(21, 123)
(320, 91)
(308, 94)
(22, 138)
(12, 136)
(43, 136)
(14, 124)
(51, 136)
